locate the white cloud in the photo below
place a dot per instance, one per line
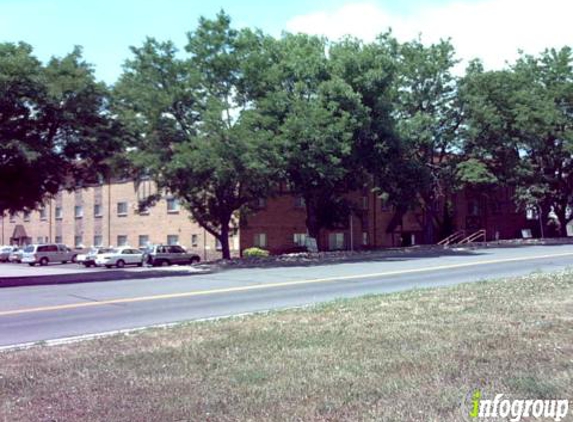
(493, 30)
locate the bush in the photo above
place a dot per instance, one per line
(255, 253)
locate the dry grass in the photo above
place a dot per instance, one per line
(402, 357)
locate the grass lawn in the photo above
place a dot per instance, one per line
(401, 357)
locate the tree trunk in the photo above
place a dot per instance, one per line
(562, 231)
(224, 239)
(312, 223)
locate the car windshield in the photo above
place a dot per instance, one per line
(29, 249)
(103, 250)
(6, 249)
(114, 250)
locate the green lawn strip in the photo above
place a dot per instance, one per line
(408, 356)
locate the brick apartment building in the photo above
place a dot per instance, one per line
(278, 224)
(107, 214)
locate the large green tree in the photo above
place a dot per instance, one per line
(520, 129)
(55, 129)
(427, 117)
(194, 129)
(316, 116)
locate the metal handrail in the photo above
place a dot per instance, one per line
(452, 238)
(474, 236)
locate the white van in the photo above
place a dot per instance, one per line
(48, 252)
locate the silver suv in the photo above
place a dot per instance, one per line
(159, 255)
(48, 252)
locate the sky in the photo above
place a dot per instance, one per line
(492, 30)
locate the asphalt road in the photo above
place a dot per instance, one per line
(35, 313)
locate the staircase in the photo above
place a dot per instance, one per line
(460, 237)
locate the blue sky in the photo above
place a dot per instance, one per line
(490, 29)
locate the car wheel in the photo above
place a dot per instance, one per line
(108, 266)
(120, 263)
(64, 262)
(31, 264)
(74, 258)
(44, 261)
(165, 263)
(195, 260)
(140, 264)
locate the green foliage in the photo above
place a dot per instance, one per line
(194, 131)
(255, 253)
(54, 126)
(520, 126)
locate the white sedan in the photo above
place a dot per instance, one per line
(120, 257)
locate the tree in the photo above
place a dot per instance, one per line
(428, 118)
(315, 115)
(194, 130)
(54, 127)
(520, 128)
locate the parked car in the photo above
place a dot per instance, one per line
(16, 255)
(88, 259)
(159, 255)
(120, 257)
(5, 252)
(48, 252)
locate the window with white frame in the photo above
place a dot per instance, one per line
(172, 205)
(122, 240)
(78, 242)
(364, 238)
(299, 202)
(336, 241)
(172, 239)
(58, 239)
(43, 214)
(12, 218)
(98, 240)
(26, 216)
(98, 210)
(78, 211)
(58, 213)
(143, 240)
(260, 240)
(40, 239)
(194, 240)
(122, 209)
(300, 239)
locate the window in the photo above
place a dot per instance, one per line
(58, 239)
(122, 209)
(176, 249)
(58, 212)
(336, 241)
(531, 213)
(12, 218)
(43, 214)
(261, 203)
(365, 203)
(121, 240)
(194, 240)
(40, 239)
(364, 238)
(78, 243)
(299, 202)
(300, 239)
(98, 240)
(143, 240)
(172, 239)
(78, 211)
(218, 245)
(97, 210)
(473, 208)
(26, 216)
(172, 205)
(260, 240)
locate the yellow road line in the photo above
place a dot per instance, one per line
(271, 285)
